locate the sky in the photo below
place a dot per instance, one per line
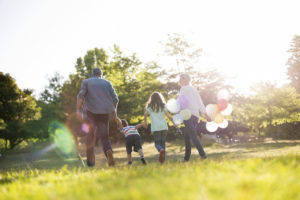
(245, 40)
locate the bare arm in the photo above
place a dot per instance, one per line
(139, 125)
(119, 124)
(170, 118)
(146, 114)
(79, 104)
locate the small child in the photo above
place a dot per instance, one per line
(156, 108)
(133, 139)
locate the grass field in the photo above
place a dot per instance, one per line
(266, 170)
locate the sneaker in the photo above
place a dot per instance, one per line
(110, 158)
(143, 161)
(161, 156)
(129, 163)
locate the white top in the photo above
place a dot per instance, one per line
(195, 103)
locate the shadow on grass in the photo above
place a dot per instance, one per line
(275, 145)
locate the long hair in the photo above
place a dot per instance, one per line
(156, 102)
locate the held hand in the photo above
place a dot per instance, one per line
(145, 125)
(78, 114)
(207, 118)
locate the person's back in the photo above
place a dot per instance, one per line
(100, 97)
(158, 120)
(100, 100)
(194, 100)
(132, 138)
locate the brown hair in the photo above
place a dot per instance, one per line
(124, 122)
(156, 102)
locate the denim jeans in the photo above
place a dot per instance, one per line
(99, 130)
(160, 140)
(190, 133)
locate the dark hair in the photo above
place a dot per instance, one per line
(156, 102)
(124, 122)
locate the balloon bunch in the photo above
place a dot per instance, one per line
(178, 106)
(217, 112)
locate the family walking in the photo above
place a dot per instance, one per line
(97, 102)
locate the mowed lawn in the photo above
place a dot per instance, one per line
(265, 170)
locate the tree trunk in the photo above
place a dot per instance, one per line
(6, 144)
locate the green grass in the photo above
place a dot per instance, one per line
(269, 170)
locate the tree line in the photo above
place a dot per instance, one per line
(270, 111)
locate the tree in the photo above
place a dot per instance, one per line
(17, 107)
(50, 104)
(294, 63)
(133, 81)
(270, 106)
(186, 56)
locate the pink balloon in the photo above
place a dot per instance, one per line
(183, 102)
(222, 104)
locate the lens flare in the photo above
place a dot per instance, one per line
(85, 128)
(62, 138)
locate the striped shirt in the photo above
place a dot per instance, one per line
(130, 130)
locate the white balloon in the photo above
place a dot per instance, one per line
(186, 114)
(177, 119)
(211, 110)
(211, 126)
(173, 106)
(224, 124)
(223, 94)
(227, 111)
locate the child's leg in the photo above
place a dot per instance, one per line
(129, 158)
(128, 149)
(142, 156)
(157, 141)
(163, 142)
(141, 153)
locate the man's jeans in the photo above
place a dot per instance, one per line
(190, 133)
(99, 130)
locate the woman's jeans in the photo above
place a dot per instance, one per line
(160, 140)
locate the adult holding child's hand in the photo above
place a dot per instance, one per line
(100, 104)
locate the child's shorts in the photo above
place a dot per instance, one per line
(133, 141)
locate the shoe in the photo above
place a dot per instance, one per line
(89, 164)
(203, 157)
(129, 163)
(143, 161)
(161, 156)
(110, 158)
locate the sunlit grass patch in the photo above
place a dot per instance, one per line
(258, 173)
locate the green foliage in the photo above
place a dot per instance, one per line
(269, 106)
(294, 63)
(17, 107)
